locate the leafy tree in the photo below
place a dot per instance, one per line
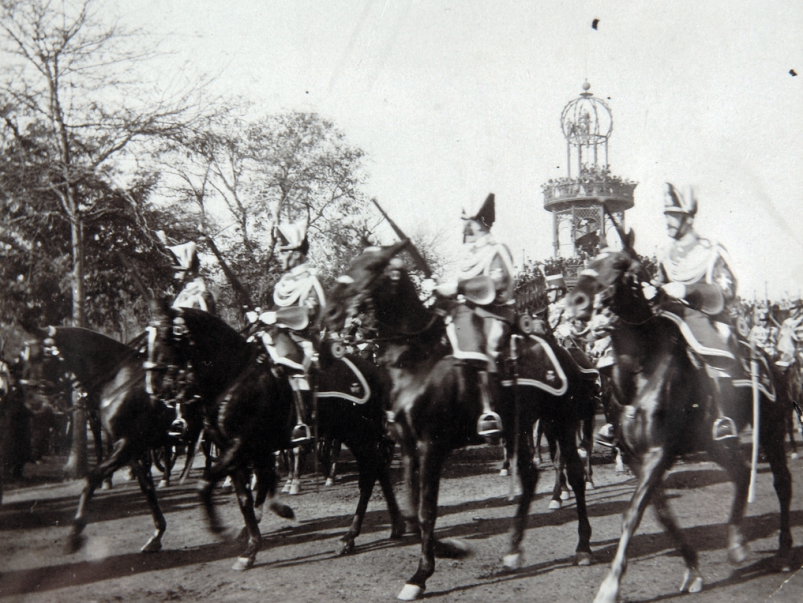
(78, 107)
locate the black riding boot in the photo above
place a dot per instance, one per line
(489, 424)
(724, 427)
(301, 433)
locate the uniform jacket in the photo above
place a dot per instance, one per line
(489, 258)
(195, 295)
(299, 286)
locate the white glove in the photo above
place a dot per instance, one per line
(676, 290)
(268, 318)
(447, 289)
(428, 286)
(649, 290)
(251, 316)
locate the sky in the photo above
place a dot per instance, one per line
(452, 100)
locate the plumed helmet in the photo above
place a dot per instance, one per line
(186, 256)
(555, 282)
(677, 203)
(293, 236)
(486, 214)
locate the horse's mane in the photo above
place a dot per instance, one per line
(216, 341)
(397, 307)
(89, 354)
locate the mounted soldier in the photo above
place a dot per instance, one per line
(480, 328)
(187, 267)
(790, 333)
(299, 299)
(763, 334)
(695, 272)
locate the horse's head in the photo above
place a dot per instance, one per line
(610, 283)
(358, 284)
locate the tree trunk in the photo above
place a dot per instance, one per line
(77, 463)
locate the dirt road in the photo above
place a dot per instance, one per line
(299, 561)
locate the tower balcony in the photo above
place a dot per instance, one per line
(561, 194)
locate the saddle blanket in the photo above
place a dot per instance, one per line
(539, 367)
(342, 379)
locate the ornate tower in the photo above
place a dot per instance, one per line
(577, 201)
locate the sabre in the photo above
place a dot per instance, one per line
(751, 493)
(417, 257)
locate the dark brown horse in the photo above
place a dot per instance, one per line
(113, 379)
(436, 403)
(666, 413)
(252, 404)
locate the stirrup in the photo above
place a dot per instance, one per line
(301, 434)
(605, 436)
(178, 428)
(723, 428)
(489, 425)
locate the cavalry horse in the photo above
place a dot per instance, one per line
(665, 414)
(249, 410)
(436, 403)
(113, 380)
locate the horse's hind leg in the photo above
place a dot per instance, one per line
(93, 481)
(652, 469)
(145, 479)
(576, 476)
(528, 475)
(782, 480)
(266, 479)
(245, 500)
(368, 475)
(693, 579)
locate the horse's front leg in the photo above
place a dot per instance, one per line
(528, 476)
(782, 481)
(431, 463)
(652, 469)
(693, 578)
(396, 519)
(95, 478)
(217, 472)
(245, 500)
(145, 480)
(728, 456)
(410, 472)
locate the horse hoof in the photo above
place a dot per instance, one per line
(329, 482)
(783, 563)
(582, 559)
(554, 505)
(737, 554)
(512, 561)
(504, 473)
(227, 486)
(347, 548)
(282, 510)
(163, 484)
(410, 592)
(451, 548)
(795, 456)
(105, 486)
(564, 495)
(242, 564)
(589, 485)
(75, 543)
(295, 488)
(398, 531)
(154, 545)
(692, 582)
